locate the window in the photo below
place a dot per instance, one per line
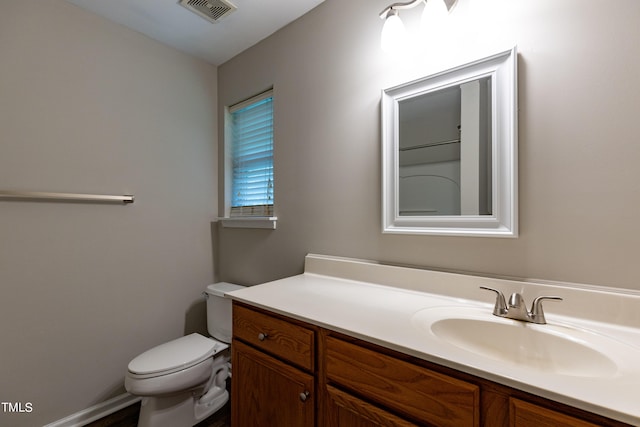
(249, 142)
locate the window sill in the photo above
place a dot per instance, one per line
(265, 222)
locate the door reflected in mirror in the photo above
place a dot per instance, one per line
(450, 151)
(445, 151)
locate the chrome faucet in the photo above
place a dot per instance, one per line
(517, 309)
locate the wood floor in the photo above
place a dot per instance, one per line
(128, 417)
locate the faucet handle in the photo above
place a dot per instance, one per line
(537, 314)
(516, 301)
(500, 309)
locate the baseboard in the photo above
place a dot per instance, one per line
(96, 412)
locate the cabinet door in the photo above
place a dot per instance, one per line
(525, 414)
(345, 410)
(267, 392)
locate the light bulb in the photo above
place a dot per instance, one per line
(394, 35)
(434, 16)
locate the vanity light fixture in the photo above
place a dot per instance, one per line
(394, 35)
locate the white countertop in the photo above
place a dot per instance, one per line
(384, 314)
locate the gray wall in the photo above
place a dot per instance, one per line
(578, 97)
(90, 107)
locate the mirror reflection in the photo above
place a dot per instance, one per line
(444, 149)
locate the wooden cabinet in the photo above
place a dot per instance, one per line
(273, 368)
(365, 385)
(289, 373)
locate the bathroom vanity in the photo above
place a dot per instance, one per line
(345, 344)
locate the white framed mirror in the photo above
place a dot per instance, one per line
(449, 151)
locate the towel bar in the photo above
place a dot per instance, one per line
(71, 197)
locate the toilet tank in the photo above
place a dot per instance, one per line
(219, 310)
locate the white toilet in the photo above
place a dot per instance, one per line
(183, 381)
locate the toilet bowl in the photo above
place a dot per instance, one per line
(183, 381)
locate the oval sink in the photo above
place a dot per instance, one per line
(557, 349)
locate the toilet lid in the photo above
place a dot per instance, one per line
(176, 355)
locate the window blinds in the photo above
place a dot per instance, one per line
(252, 156)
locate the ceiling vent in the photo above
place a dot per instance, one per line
(211, 10)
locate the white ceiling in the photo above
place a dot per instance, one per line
(170, 23)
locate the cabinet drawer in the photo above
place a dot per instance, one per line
(290, 342)
(525, 414)
(410, 389)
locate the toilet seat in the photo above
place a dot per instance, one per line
(175, 356)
